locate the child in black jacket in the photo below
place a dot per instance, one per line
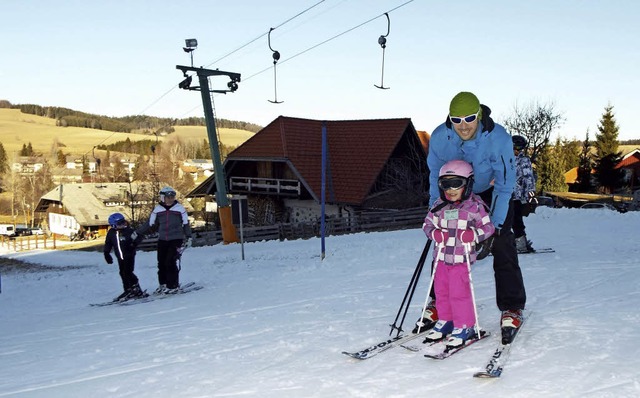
(120, 240)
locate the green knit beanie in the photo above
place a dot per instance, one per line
(464, 104)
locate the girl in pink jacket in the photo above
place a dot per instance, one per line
(457, 221)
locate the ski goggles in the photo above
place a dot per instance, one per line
(119, 224)
(467, 119)
(453, 183)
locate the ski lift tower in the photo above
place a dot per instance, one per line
(224, 208)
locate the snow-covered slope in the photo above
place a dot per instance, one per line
(275, 324)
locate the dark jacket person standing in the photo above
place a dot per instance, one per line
(170, 220)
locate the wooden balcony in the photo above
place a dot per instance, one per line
(266, 186)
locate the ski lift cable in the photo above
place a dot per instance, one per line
(329, 39)
(173, 87)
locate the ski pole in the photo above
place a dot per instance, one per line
(433, 276)
(467, 248)
(411, 288)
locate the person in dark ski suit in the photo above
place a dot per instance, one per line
(169, 218)
(121, 238)
(524, 195)
(470, 134)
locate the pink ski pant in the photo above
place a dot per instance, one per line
(453, 292)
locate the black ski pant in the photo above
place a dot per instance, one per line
(510, 291)
(126, 265)
(168, 272)
(518, 220)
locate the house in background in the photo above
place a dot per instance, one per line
(370, 164)
(84, 208)
(630, 165)
(26, 165)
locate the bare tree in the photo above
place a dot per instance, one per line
(535, 121)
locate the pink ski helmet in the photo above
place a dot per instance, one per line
(457, 168)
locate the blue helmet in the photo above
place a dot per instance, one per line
(115, 219)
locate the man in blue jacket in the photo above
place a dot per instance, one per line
(470, 134)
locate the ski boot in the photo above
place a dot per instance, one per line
(523, 245)
(459, 337)
(123, 296)
(136, 292)
(172, 290)
(162, 289)
(439, 332)
(428, 320)
(510, 324)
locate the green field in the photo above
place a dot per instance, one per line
(18, 129)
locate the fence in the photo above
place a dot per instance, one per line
(365, 221)
(29, 242)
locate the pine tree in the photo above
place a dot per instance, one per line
(607, 156)
(4, 166)
(61, 158)
(551, 170)
(583, 182)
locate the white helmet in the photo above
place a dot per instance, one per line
(167, 191)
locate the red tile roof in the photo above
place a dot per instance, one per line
(357, 152)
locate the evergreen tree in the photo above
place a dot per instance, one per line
(551, 170)
(607, 156)
(583, 182)
(570, 153)
(4, 161)
(62, 158)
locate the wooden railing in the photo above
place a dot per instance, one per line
(29, 242)
(358, 222)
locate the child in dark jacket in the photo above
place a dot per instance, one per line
(120, 240)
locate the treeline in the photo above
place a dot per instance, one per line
(66, 117)
(142, 147)
(224, 123)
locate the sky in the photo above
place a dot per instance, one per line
(119, 58)
(275, 324)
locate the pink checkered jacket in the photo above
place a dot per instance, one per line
(454, 217)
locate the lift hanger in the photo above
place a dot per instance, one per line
(276, 57)
(382, 40)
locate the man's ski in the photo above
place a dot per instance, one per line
(121, 301)
(538, 251)
(535, 251)
(493, 368)
(449, 351)
(383, 346)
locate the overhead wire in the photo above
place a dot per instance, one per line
(329, 39)
(283, 61)
(173, 87)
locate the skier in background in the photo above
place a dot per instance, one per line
(457, 221)
(121, 238)
(524, 195)
(170, 219)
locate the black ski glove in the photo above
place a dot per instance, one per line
(108, 258)
(484, 248)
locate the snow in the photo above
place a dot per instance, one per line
(275, 324)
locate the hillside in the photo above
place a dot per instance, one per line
(17, 129)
